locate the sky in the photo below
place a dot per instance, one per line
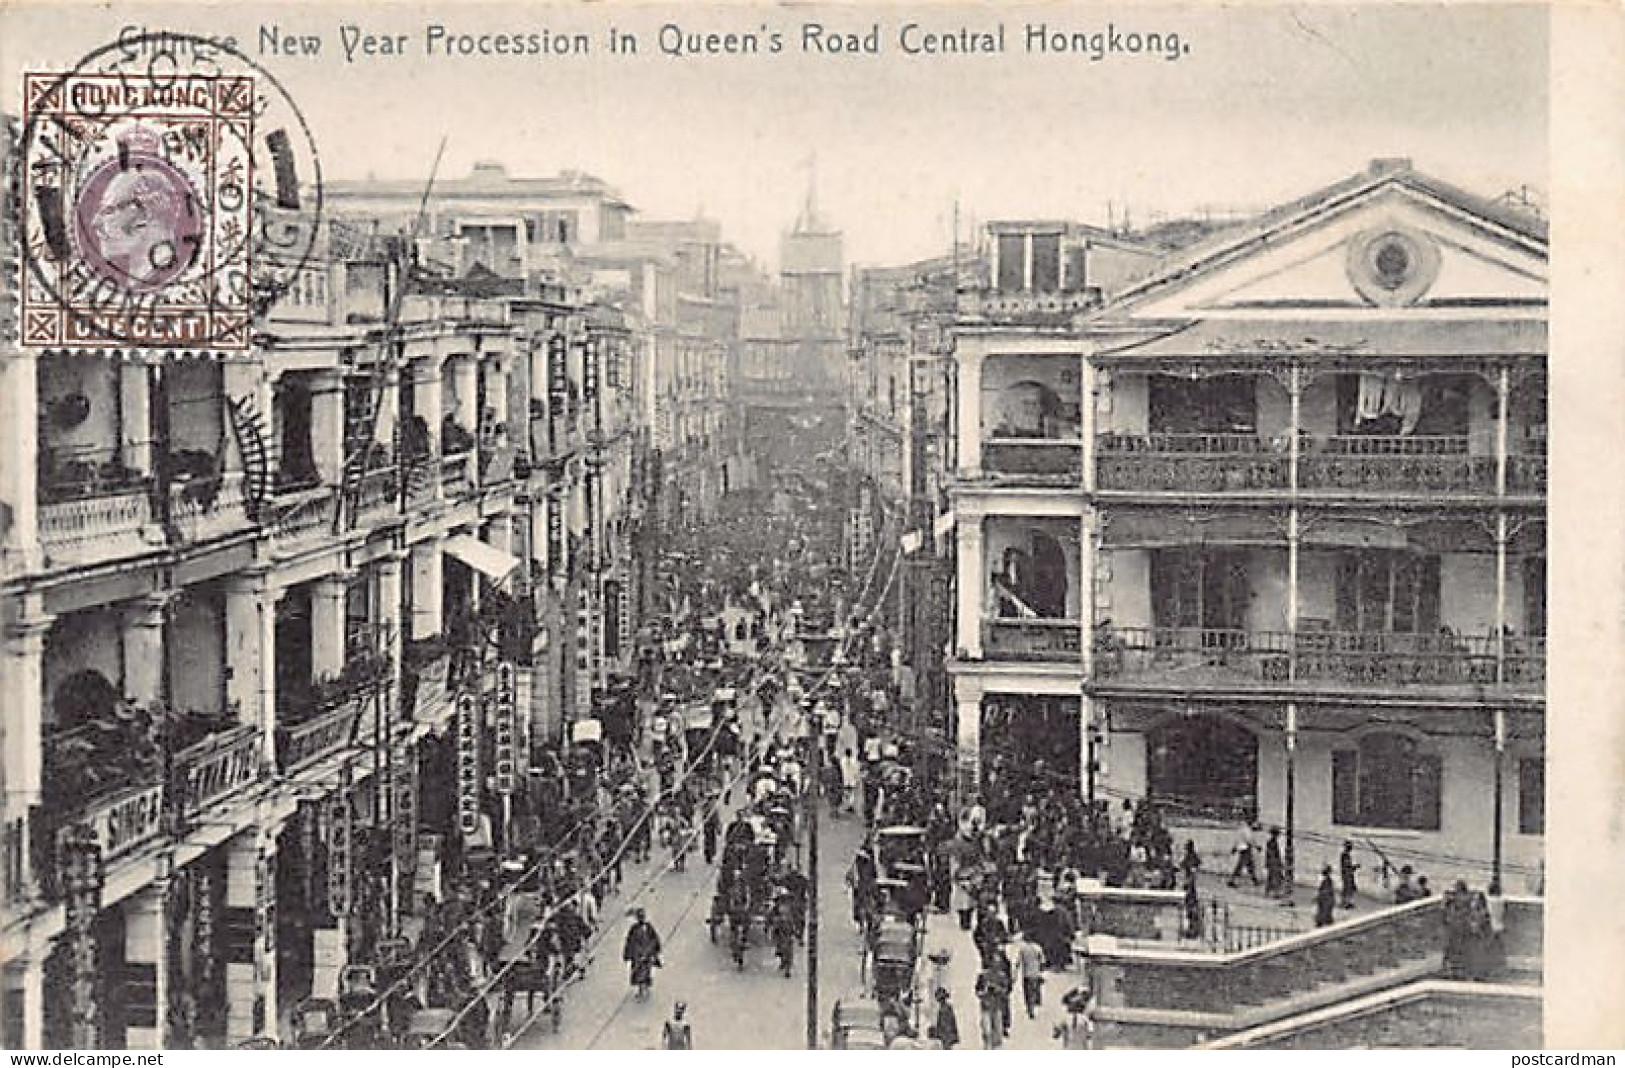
(1268, 103)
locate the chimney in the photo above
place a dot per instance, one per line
(1389, 165)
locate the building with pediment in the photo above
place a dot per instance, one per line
(1258, 531)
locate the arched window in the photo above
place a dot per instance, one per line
(1387, 780)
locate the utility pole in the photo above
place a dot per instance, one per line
(815, 778)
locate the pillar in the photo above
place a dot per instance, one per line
(267, 687)
(1294, 423)
(1027, 263)
(1086, 593)
(970, 411)
(427, 589)
(327, 626)
(1291, 792)
(462, 371)
(389, 409)
(1503, 397)
(390, 624)
(427, 399)
(968, 736)
(135, 415)
(22, 680)
(251, 957)
(246, 602)
(1499, 726)
(146, 967)
(327, 426)
(969, 584)
(143, 638)
(19, 456)
(24, 980)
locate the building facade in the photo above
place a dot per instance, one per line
(1257, 530)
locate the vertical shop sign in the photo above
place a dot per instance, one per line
(468, 765)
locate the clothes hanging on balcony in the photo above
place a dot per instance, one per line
(1383, 395)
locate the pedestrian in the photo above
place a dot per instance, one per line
(1458, 925)
(1274, 866)
(945, 1029)
(1325, 898)
(963, 901)
(713, 825)
(1405, 892)
(678, 1033)
(1191, 862)
(1347, 868)
(1193, 909)
(1030, 966)
(1243, 850)
(1495, 917)
(990, 1001)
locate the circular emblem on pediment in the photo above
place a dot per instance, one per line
(1393, 267)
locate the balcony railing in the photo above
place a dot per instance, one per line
(205, 509)
(1194, 463)
(1045, 461)
(457, 473)
(305, 517)
(1415, 464)
(376, 493)
(1197, 655)
(216, 768)
(1025, 306)
(1032, 639)
(99, 528)
(324, 733)
(1526, 474)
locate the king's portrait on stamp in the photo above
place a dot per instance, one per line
(571, 525)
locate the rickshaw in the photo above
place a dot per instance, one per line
(315, 1021)
(896, 950)
(899, 845)
(427, 1025)
(856, 1025)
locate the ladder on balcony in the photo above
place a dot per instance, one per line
(360, 426)
(249, 427)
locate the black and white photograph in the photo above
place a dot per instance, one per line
(828, 526)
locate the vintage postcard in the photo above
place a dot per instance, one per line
(861, 525)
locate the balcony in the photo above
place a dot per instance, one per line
(304, 516)
(1197, 657)
(103, 525)
(1032, 640)
(215, 768)
(1190, 463)
(326, 732)
(1414, 465)
(1036, 309)
(1526, 475)
(204, 509)
(457, 474)
(328, 715)
(376, 494)
(1033, 461)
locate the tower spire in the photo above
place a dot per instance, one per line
(809, 216)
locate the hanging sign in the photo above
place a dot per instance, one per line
(504, 707)
(340, 852)
(589, 371)
(405, 821)
(468, 765)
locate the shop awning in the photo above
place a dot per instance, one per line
(495, 564)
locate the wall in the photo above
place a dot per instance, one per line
(1274, 408)
(195, 406)
(98, 380)
(1317, 586)
(1467, 593)
(1317, 408)
(1060, 373)
(1127, 600)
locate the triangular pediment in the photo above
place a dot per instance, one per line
(1392, 248)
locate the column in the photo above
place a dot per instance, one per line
(538, 530)
(462, 371)
(968, 586)
(1503, 396)
(427, 399)
(1499, 725)
(267, 686)
(1291, 792)
(143, 638)
(327, 626)
(24, 979)
(1027, 263)
(327, 425)
(251, 957)
(19, 455)
(246, 602)
(496, 392)
(22, 681)
(1294, 423)
(970, 411)
(389, 408)
(427, 590)
(1087, 409)
(1086, 592)
(968, 736)
(146, 967)
(135, 415)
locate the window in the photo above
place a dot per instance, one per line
(1011, 257)
(1534, 596)
(1203, 766)
(1387, 592)
(1387, 780)
(1199, 588)
(1046, 262)
(1387, 405)
(1223, 404)
(1532, 795)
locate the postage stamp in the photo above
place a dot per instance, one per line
(169, 193)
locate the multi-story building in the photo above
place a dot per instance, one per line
(1257, 529)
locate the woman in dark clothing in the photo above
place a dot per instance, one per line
(946, 1028)
(1325, 898)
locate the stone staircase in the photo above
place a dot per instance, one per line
(1154, 997)
(1431, 1013)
